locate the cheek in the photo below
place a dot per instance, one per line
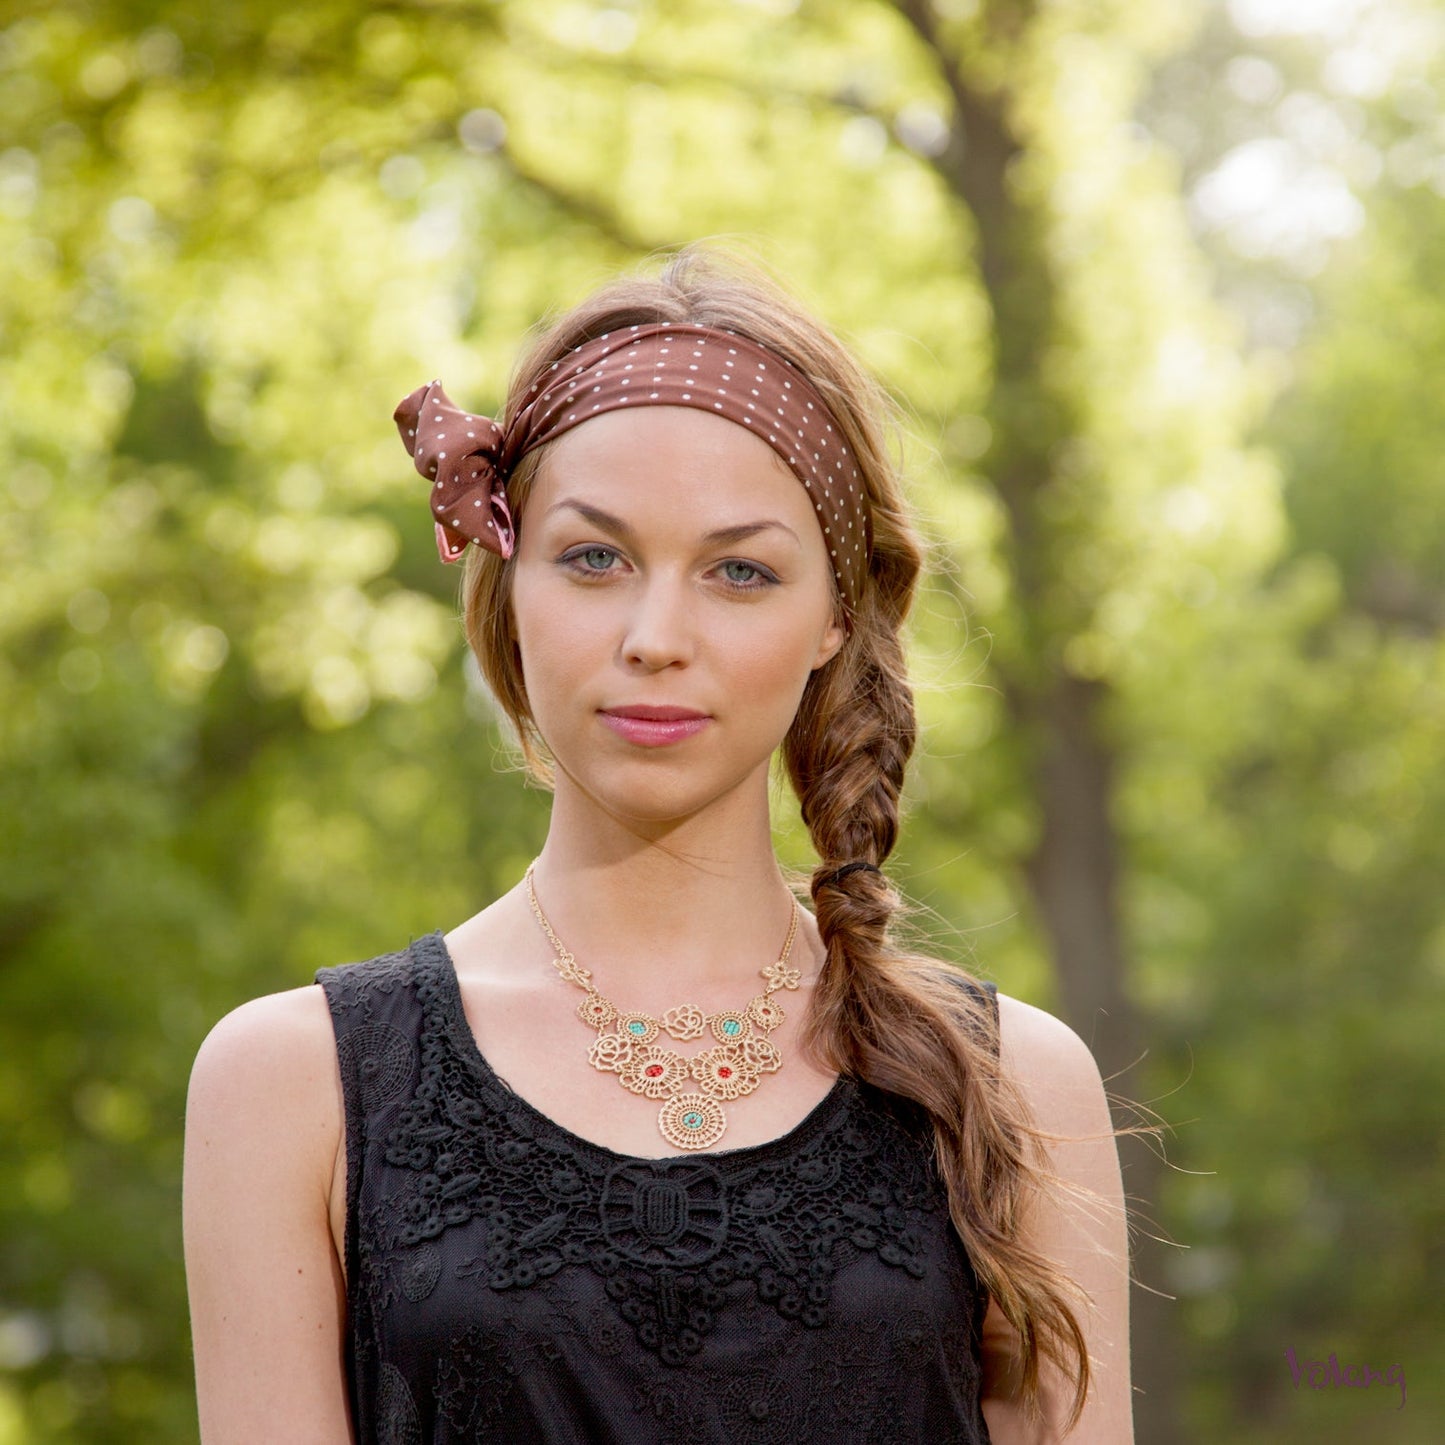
(763, 682)
(556, 648)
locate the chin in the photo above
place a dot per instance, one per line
(651, 787)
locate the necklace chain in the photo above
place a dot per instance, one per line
(626, 1043)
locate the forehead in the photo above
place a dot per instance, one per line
(675, 454)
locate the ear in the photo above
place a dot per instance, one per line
(832, 640)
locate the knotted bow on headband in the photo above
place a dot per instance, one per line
(462, 455)
(468, 458)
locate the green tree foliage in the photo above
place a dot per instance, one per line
(1319, 1071)
(1180, 672)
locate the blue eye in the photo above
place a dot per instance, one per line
(573, 561)
(573, 558)
(747, 586)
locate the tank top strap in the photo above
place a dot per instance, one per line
(984, 993)
(377, 1011)
(377, 1017)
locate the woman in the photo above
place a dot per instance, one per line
(571, 1172)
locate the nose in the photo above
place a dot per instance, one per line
(659, 623)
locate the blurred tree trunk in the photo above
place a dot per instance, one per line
(1072, 869)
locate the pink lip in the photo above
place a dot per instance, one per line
(654, 732)
(652, 713)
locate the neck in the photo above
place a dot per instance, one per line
(657, 931)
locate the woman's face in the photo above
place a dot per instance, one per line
(647, 609)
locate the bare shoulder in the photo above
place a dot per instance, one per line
(1053, 1067)
(1079, 1224)
(266, 1080)
(266, 1050)
(264, 1125)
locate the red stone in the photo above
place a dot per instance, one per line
(653, 1071)
(724, 1072)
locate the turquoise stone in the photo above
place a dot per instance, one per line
(732, 1026)
(637, 1027)
(692, 1121)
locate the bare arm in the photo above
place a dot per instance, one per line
(1087, 1238)
(264, 1125)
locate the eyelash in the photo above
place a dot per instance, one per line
(570, 561)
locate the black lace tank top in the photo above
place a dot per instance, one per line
(508, 1281)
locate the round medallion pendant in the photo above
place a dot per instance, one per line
(731, 1026)
(691, 1121)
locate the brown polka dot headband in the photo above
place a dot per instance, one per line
(468, 458)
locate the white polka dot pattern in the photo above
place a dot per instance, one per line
(468, 458)
(458, 453)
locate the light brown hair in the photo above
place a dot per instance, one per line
(885, 1014)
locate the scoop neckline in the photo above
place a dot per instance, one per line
(476, 1061)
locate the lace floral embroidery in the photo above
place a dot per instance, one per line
(500, 1269)
(668, 1236)
(398, 1421)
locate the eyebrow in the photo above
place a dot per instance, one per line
(737, 533)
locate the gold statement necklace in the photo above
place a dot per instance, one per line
(626, 1044)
